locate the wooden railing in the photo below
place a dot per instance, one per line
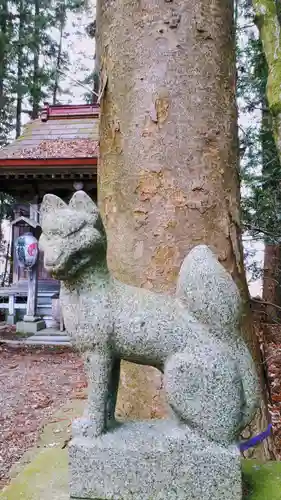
(12, 305)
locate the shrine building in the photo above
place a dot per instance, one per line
(56, 153)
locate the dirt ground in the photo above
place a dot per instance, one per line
(271, 348)
(34, 382)
(8, 332)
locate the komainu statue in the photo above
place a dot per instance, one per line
(193, 338)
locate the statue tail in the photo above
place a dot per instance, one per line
(209, 292)
(211, 296)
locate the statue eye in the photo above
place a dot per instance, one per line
(75, 230)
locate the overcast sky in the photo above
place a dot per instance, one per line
(81, 49)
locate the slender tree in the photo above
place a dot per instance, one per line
(261, 173)
(61, 16)
(6, 100)
(62, 10)
(35, 89)
(3, 47)
(34, 57)
(20, 65)
(268, 20)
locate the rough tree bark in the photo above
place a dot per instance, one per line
(168, 172)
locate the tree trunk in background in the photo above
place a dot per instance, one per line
(36, 87)
(58, 67)
(3, 48)
(268, 20)
(272, 251)
(271, 281)
(168, 174)
(3, 66)
(61, 12)
(20, 68)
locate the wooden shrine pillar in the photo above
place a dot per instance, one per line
(31, 323)
(32, 275)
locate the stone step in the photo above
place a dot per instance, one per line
(39, 339)
(51, 332)
(31, 342)
(49, 342)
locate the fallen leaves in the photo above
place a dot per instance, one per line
(8, 332)
(44, 402)
(270, 334)
(59, 148)
(79, 395)
(33, 384)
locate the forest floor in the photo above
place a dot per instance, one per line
(8, 332)
(271, 348)
(34, 383)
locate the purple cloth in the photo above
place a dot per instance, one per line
(255, 440)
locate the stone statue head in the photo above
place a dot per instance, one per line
(72, 235)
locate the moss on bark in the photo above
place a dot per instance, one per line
(261, 481)
(270, 33)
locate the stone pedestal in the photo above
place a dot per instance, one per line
(11, 319)
(153, 460)
(32, 326)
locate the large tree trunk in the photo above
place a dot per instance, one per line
(168, 173)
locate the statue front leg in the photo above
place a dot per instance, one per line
(98, 369)
(113, 391)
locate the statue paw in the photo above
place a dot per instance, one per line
(84, 427)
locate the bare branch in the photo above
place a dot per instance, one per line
(266, 303)
(77, 82)
(263, 231)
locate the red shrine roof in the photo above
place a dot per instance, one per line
(61, 132)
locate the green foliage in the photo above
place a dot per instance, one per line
(33, 51)
(260, 165)
(92, 82)
(34, 56)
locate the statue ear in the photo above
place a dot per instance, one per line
(51, 202)
(80, 201)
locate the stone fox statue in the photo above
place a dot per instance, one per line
(193, 337)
